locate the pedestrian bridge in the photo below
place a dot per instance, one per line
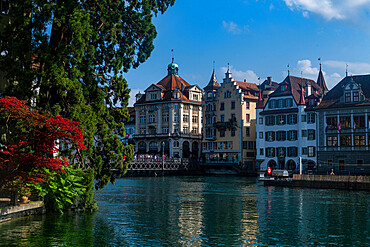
(160, 164)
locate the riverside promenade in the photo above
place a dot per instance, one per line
(323, 182)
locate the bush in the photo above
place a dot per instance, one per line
(62, 190)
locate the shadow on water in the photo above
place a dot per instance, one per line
(70, 229)
(202, 211)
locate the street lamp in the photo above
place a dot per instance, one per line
(162, 156)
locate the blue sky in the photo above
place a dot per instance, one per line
(259, 38)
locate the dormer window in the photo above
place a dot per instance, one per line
(195, 97)
(356, 96)
(176, 94)
(347, 97)
(153, 96)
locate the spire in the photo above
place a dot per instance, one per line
(260, 101)
(228, 73)
(301, 98)
(213, 83)
(288, 70)
(321, 80)
(346, 70)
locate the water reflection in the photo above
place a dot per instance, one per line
(180, 211)
(313, 217)
(203, 211)
(48, 230)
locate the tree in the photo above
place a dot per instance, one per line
(69, 56)
(31, 143)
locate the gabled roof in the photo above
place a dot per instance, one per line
(333, 96)
(249, 89)
(213, 83)
(155, 85)
(293, 87)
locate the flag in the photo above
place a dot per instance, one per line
(354, 126)
(340, 127)
(327, 128)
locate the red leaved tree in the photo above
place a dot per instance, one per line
(30, 141)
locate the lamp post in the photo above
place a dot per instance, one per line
(162, 156)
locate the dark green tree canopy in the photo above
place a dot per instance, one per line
(69, 56)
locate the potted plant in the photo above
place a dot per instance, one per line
(24, 192)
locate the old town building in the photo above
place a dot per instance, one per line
(343, 130)
(234, 121)
(168, 117)
(210, 111)
(286, 124)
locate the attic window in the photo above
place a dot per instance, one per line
(284, 87)
(355, 96)
(195, 97)
(176, 94)
(347, 97)
(153, 96)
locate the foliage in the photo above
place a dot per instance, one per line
(87, 202)
(70, 56)
(30, 142)
(24, 191)
(62, 189)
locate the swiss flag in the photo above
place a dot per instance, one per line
(354, 126)
(340, 127)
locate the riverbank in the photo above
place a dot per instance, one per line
(323, 182)
(24, 209)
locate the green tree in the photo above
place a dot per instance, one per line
(69, 56)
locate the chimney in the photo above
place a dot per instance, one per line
(269, 80)
(245, 80)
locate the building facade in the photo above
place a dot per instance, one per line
(210, 112)
(344, 126)
(234, 124)
(168, 117)
(286, 127)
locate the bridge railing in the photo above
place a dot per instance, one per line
(157, 164)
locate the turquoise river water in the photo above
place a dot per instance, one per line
(203, 211)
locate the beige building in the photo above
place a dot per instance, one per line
(168, 117)
(235, 138)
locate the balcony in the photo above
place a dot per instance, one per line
(165, 135)
(152, 135)
(229, 124)
(186, 135)
(210, 138)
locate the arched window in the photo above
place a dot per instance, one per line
(142, 147)
(153, 146)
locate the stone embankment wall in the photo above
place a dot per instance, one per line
(324, 182)
(12, 212)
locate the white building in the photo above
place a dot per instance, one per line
(169, 117)
(286, 124)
